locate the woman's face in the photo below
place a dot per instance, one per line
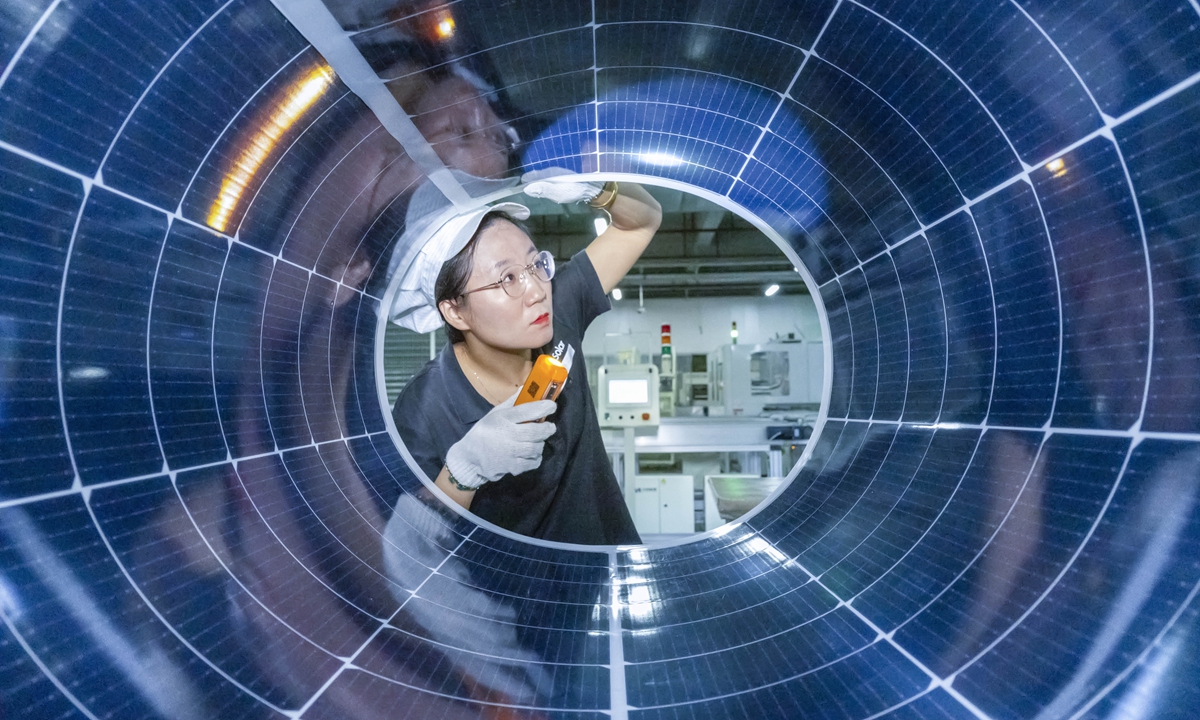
(494, 317)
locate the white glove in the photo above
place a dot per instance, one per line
(543, 184)
(503, 442)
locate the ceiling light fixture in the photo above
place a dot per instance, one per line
(616, 293)
(771, 290)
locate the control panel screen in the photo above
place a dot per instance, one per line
(628, 392)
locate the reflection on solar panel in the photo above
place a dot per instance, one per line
(204, 510)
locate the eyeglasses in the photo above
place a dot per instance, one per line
(515, 279)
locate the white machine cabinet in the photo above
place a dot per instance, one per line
(664, 505)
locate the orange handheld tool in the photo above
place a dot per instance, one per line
(547, 377)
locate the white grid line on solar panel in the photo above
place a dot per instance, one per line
(904, 703)
(907, 336)
(775, 597)
(433, 641)
(11, 502)
(459, 58)
(88, 183)
(170, 627)
(900, 115)
(987, 267)
(348, 662)
(44, 669)
(732, 614)
(1000, 525)
(617, 691)
(954, 73)
(1109, 124)
(966, 207)
(595, 88)
(876, 344)
(249, 496)
(1067, 566)
(693, 71)
(482, 703)
(870, 157)
(1058, 294)
(84, 609)
(660, 135)
(525, 561)
(37, 26)
(944, 684)
(77, 481)
(892, 509)
(1137, 435)
(154, 81)
(1142, 657)
(1105, 132)
(149, 360)
(773, 683)
(709, 570)
(493, 591)
(320, 518)
(862, 495)
(169, 215)
(888, 637)
(705, 26)
(317, 25)
(238, 115)
(1176, 507)
(786, 94)
(816, 161)
(579, 550)
(933, 523)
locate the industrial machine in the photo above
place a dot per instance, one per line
(664, 505)
(753, 379)
(629, 395)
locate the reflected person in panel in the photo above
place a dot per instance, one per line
(504, 304)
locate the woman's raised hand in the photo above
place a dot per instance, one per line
(505, 441)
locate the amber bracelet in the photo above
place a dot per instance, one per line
(610, 187)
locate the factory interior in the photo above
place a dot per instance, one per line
(903, 398)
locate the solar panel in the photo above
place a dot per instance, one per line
(205, 508)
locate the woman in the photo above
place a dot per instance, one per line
(504, 304)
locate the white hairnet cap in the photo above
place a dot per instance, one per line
(433, 234)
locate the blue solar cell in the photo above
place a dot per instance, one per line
(926, 334)
(882, 133)
(1026, 295)
(214, 74)
(1161, 151)
(106, 307)
(38, 207)
(1017, 75)
(933, 103)
(864, 333)
(1100, 260)
(970, 306)
(53, 102)
(1067, 489)
(181, 367)
(891, 320)
(795, 23)
(1121, 49)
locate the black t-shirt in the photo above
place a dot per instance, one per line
(573, 497)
